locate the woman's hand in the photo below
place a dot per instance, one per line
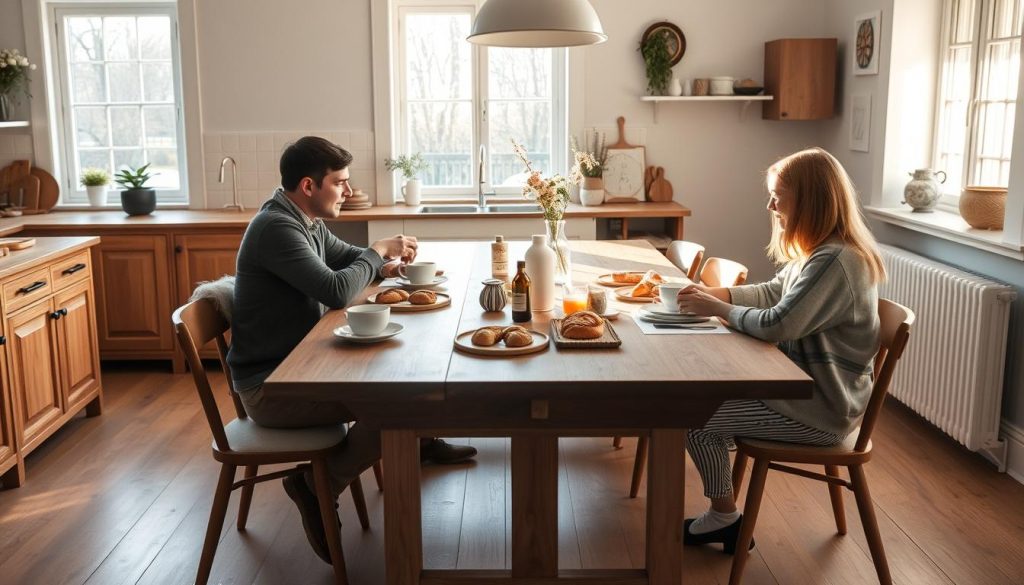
(390, 270)
(693, 299)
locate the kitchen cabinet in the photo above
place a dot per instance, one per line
(801, 74)
(11, 469)
(203, 257)
(35, 376)
(78, 351)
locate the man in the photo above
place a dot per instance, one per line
(291, 268)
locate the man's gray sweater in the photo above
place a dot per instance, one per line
(290, 270)
(823, 314)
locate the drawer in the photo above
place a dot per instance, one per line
(26, 289)
(70, 270)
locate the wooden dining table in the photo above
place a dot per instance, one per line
(418, 385)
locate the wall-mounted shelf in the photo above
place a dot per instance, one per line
(14, 124)
(746, 99)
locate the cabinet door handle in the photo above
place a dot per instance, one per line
(177, 249)
(55, 315)
(74, 268)
(3, 340)
(34, 286)
(785, 114)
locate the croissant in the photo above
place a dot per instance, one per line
(487, 336)
(391, 296)
(583, 325)
(648, 285)
(423, 297)
(626, 277)
(516, 336)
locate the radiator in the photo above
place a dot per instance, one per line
(952, 370)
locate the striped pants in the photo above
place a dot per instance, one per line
(709, 445)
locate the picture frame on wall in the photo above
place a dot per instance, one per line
(860, 122)
(867, 32)
(624, 175)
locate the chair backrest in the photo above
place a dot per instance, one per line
(686, 256)
(196, 324)
(721, 272)
(894, 324)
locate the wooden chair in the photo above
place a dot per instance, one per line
(686, 256)
(716, 272)
(722, 272)
(242, 443)
(852, 453)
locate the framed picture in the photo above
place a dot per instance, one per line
(867, 32)
(860, 122)
(624, 174)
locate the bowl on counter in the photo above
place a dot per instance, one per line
(748, 90)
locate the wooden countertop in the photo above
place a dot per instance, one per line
(45, 250)
(200, 218)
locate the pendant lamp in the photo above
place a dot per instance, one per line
(537, 23)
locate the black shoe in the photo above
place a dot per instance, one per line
(309, 508)
(439, 451)
(726, 536)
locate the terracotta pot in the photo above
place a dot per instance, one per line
(983, 207)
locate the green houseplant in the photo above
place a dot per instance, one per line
(409, 165)
(136, 199)
(657, 62)
(95, 182)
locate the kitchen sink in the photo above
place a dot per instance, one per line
(509, 208)
(513, 208)
(449, 209)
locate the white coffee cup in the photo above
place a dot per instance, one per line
(419, 272)
(669, 293)
(368, 319)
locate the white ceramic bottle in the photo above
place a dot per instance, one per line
(540, 267)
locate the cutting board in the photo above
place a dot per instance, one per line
(624, 169)
(16, 243)
(648, 179)
(49, 191)
(661, 189)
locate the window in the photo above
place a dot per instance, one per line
(978, 92)
(120, 95)
(452, 98)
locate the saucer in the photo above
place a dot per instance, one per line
(345, 332)
(661, 310)
(610, 314)
(622, 294)
(405, 283)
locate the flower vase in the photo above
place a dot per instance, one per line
(5, 107)
(560, 245)
(592, 191)
(540, 268)
(411, 192)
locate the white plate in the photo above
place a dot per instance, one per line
(661, 310)
(345, 332)
(404, 282)
(610, 314)
(680, 319)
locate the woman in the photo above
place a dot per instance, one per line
(822, 311)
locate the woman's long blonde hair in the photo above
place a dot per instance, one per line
(825, 205)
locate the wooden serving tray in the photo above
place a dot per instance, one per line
(443, 300)
(609, 339)
(464, 343)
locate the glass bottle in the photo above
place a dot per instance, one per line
(499, 259)
(521, 294)
(559, 244)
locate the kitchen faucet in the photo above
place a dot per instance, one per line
(481, 197)
(235, 203)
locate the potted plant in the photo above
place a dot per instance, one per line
(14, 68)
(590, 166)
(409, 165)
(657, 62)
(136, 199)
(95, 182)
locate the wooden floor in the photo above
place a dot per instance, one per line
(124, 498)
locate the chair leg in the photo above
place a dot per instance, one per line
(246, 499)
(750, 509)
(617, 442)
(378, 475)
(739, 469)
(835, 492)
(356, 487)
(867, 518)
(213, 528)
(330, 520)
(638, 465)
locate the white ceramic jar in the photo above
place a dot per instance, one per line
(540, 267)
(722, 85)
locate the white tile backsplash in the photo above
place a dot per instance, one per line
(14, 147)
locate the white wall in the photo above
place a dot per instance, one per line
(15, 143)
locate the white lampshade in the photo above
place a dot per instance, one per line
(537, 23)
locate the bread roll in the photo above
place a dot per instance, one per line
(583, 325)
(648, 285)
(516, 336)
(391, 296)
(423, 297)
(487, 336)
(626, 277)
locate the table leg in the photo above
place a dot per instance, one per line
(679, 228)
(534, 506)
(665, 469)
(403, 532)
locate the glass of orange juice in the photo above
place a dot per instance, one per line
(574, 298)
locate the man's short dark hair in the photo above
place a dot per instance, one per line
(313, 157)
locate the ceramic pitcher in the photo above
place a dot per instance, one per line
(922, 192)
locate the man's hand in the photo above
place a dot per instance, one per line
(694, 300)
(396, 248)
(390, 270)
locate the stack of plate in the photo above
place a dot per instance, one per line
(358, 200)
(658, 313)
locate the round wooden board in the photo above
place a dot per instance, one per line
(622, 294)
(443, 300)
(464, 343)
(606, 279)
(49, 191)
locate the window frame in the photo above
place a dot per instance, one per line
(480, 100)
(73, 194)
(982, 25)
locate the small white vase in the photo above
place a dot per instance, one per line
(411, 192)
(675, 88)
(592, 191)
(540, 267)
(97, 195)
